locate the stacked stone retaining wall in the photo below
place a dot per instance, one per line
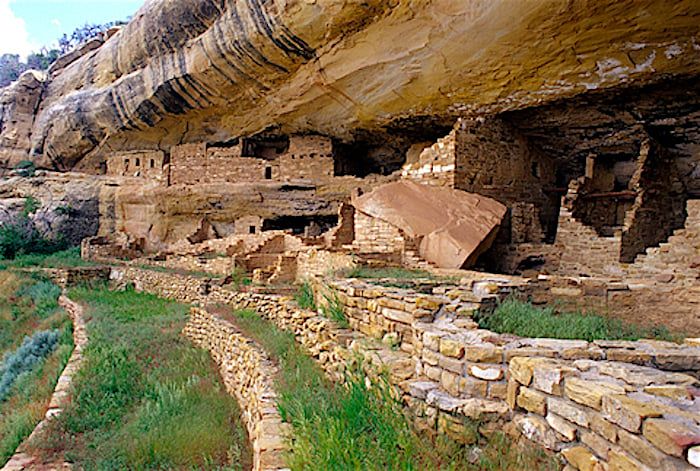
(613, 404)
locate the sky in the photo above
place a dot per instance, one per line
(27, 25)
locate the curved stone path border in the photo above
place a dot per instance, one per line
(249, 374)
(23, 460)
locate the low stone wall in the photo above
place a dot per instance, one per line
(23, 459)
(249, 375)
(625, 405)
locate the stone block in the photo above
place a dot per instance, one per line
(595, 442)
(449, 383)
(483, 353)
(433, 372)
(485, 371)
(451, 364)
(430, 357)
(670, 436)
(602, 427)
(498, 390)
(589, 393)
(451, 347)
(472, 387)
(420, 389)
(532, 401)
(522, 368)
(568, 410)
(431, 340)
(671, 391)
(620, 461)
(530, 352)
(396, 315)
(637, 357)
(547, 377)
(641, 449)
(626, 412)
(563, 427)
(512, 392)
(430, 303)
(536, 429)
(580, 458)
(678, 359)
(582, 353)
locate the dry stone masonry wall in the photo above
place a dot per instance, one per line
(248, 373)
(632, 405)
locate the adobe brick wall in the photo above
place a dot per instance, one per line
(144, 164)
(308, 158)
(188, 164)
(435, 165)
(373, 235)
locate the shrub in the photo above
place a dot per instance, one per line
(22, 360)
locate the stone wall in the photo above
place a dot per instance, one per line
(307, 158)
(188, 164)
(375, 236)
(248, 374)
(435, 165)
(626, 405)
(144, 164)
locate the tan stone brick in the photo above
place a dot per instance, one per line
(637, 357)
(530, 352)
(391, 303)
(678, 359)
(563, 427)
(483, 353)
(582, 354)
(536, 429)
(512, 391)
(485, 371)
(532, 401)
(430, 357)
(589, 393)
(449, 383)
(451, 364)
(547, 377)
(522, 368)
(621, 461)
(433, 372)
(671, 437)
(641, 449)
(473, 387)
(451, 348)
(580, 458)
(602, 427)
(498, 390)
(626, 412)
(431, 303)
(431, 340)
(670, 391)
(595, 442)
(570, 411)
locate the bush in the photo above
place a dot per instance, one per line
(31, 352)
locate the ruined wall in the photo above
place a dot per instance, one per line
(436, 164)
(659, 207)
(307, 158)
(372, 235)
(494, 159)
(145, 164)
(188, 164)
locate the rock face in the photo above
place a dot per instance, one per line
(193, 70)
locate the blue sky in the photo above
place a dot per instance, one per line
(26, 25)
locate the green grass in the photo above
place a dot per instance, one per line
(335, 311)
(361, 425)
(145, 398)
(305, 296)
(401, 273)
(69, 258)
(522, 318)
(28, 306)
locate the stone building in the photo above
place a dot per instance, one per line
(150, 165)
(308, 158)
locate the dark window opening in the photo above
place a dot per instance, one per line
(268, 173)
(138, 162)
(535, 170)
(153, 163)
(298, 224)
(251, 229)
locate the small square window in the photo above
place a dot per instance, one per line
(251, 229)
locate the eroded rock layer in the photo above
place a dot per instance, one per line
(210, 70)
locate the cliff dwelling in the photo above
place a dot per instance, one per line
(414, 166)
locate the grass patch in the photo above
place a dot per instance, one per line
(28, 307)
(69, 258)
(399, 273)
(305, 296)
(361, 425)
(145, 398)
(522, 318)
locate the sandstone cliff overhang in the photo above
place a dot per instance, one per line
(450, 227)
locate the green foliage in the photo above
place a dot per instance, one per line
(361, 425)
(305, 296)
(26, 169)
(25, 358)
(63, 258)
(19, 235)
(144, 398)
(334, 310)
(522, 318)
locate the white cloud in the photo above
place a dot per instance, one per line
(14, 38)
